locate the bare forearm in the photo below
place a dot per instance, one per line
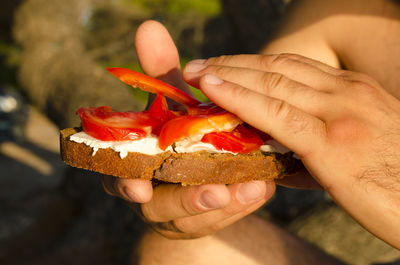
(357, 35)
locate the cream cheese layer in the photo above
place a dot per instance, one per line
(149, 145)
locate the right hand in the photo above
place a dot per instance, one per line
(173, 210)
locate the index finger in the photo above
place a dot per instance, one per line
(271, 62)
(291, 126)
(306, 71)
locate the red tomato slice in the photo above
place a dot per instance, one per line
(241, 140)
(153, 85)
(198, 125)
(104, 124)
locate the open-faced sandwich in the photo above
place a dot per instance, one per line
(203, 144)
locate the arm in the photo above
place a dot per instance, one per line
(300, 33)
(343, 125)
(349, 118)
(357, 35)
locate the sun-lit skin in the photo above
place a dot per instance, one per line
(221, 205)
(354, 153)
(350, 118)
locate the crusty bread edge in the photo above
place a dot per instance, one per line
(185, 168)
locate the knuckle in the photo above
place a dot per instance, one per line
(240, 93)
(294, 121)
(359, 83)
(149, 214)
(363, 78)
(277, 108)
(189, 206)
(220, 60)
(185, 225)
(371, 81)
(274, 80)
(191, 231)
(292, 56)
(172, 235)
(278, 59)
(220, 71)
(346, 75)
(265, 61)
(284, 58)
(365, 91)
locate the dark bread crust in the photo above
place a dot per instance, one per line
(185, 168)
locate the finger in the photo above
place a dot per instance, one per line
(132, 190)
(289, 125)
(246, 198)
(157, 53)
(273, 85)
(183, 201)
(108, 185)
(269, 61)
(304, 70)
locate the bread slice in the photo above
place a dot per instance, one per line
(185, 168)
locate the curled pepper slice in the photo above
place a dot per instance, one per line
(196, 126)
(241, 140)
(153, 85)
(104, 124)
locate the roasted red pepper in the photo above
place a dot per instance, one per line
(107, 125)
(196, 125)
(153, 85)
(241, 140)
(205, 121)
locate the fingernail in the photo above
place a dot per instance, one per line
(198, 61)
(209, 201)
(249, 192)
(131, 195)
(212, 79)
(193, 67)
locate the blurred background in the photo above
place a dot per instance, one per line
(53, 56)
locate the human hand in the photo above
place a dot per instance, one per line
(173, 210)
(343, 125)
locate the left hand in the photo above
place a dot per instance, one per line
(173, 210)
(344, 126)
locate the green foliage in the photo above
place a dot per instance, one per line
(198, 94)
(176, 7)
(203, 7)
(11, 53)
(9, 60)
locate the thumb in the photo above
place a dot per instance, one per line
(157, 53)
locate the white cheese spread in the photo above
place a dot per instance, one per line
(189, 146)
(149, 145)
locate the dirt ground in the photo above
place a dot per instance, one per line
(51, 214)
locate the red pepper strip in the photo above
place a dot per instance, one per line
(241, 140)
(159, 109)
(191, 126)
(153, 85)
(104, 124)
